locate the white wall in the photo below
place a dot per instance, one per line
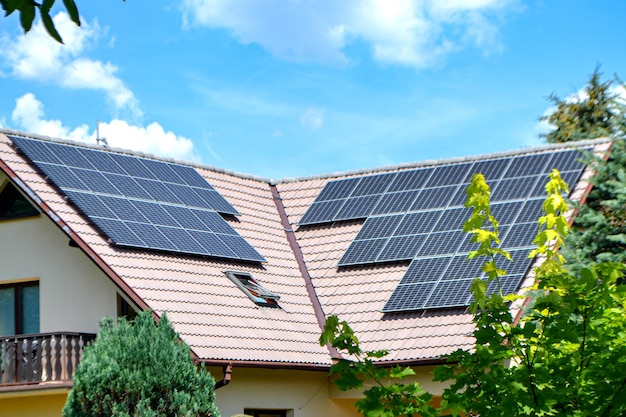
(74, 293)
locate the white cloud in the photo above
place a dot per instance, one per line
(416, 33)
(36, 56)
(312, 118)
(28, 115)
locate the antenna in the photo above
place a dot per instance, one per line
(99, 140)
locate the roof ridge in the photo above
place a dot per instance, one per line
(130, 152)
(452, 160)
(337, 174)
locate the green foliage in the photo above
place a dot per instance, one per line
(140, 369)
(592, 116)
(27, 10)
(599, 233)
(566, 356)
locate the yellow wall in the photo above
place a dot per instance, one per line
(304, 393)
(33, 404)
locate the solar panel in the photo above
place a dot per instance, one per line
(376, 227)
(322, 212)
(142, 203)
(375, 184)
(409, 297)
(362, 252)
(398, 202)
(419, 216)
(401, 248)
(434, 198)
(425, 270)
(338, 189)
(449, 174)
(410, 180)
(522, 166)
(359, 207)
(454, 293)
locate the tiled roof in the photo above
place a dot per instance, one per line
(220, 323)
(212, 315)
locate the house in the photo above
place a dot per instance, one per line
(246, 268)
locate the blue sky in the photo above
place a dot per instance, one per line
(286, 88)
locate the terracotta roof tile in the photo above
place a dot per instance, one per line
(220, 322)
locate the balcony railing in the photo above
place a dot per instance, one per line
(37, 358)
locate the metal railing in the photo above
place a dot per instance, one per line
(45, 357)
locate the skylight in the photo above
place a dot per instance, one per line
(256, 292)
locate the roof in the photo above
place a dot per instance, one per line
(217, 319)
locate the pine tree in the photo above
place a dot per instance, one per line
(599, 232)
(139, 369)
(591, 116)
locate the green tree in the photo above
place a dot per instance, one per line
(599, 232)
(138, 369)
(27, 9)
(565, 357)
(593, 115)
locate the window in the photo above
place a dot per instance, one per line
(13, 204)
(19, 308)
(255, 291)
(124, 309)
(265, 413)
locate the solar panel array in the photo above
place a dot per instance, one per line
(418, 215)
(142, 203)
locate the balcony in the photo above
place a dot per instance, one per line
(40, 358)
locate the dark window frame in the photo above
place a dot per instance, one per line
(261, 412)
(9, 191)
(17, 294)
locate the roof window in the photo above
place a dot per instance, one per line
(256, 292)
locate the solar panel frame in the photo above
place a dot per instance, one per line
(118, 232)
(133, 166)
(526, 165)
(36, 150)
(373, 184)
(410, 180)
(213, 245)
(191, 177)
(158, 191)
(434, 198)
(338, 189)
(362, 252)
(425, 270)
(397, 202)
(62, 176)
(95, 182)
(401, 248)
(90, 203)
(321, 212)
(70, 157)
(409, 297)
(377, 227)
(241, 248)
(101, 161)
(453, 174)
(356, 208)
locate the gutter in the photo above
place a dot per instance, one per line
(227, 370)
